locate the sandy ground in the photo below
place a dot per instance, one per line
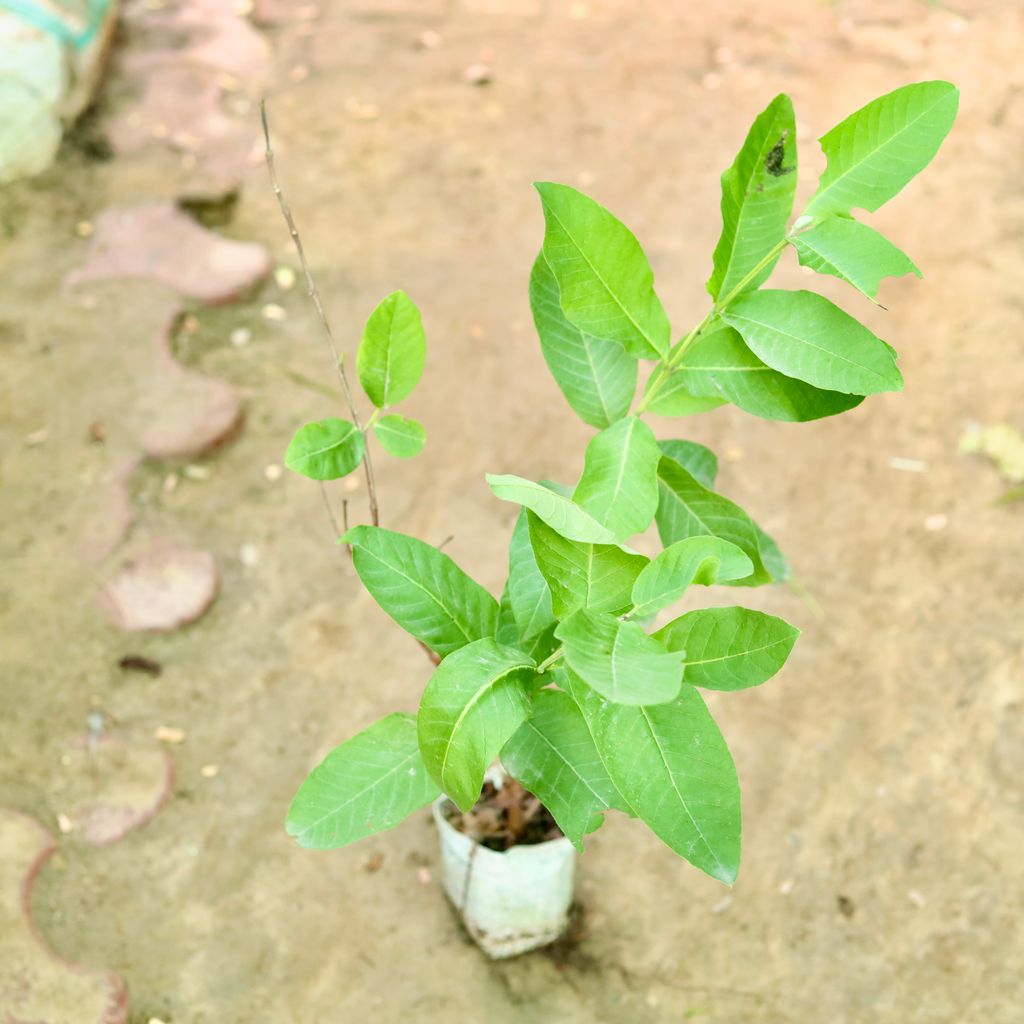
(881, 772)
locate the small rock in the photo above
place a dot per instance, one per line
(209, 771)
(272, 311)
(372, 863)
(908, 465)
(194, 472)
(273, 472)
(84, 229)
(722, 905)
(240, 337)
(916, 898)
(478, 74)
(352, 483)
(786, 887)
(284, 278)
(249, 555)
(169, 734)
(423, 876)
(65, 824)
(428, 40)
(162, 589)
(936, 522)
(37, 437)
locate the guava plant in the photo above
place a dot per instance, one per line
(563, 678)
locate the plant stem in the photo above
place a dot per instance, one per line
(550, 660)
(314, 294)
(663, 370)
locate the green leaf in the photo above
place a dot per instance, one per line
(597, 377)
(619, 485)
(367, 784)
(719, 363)
(878, 149)
(422, 589)
(700, 460)
(803, 335)
(618, 659)
(729, 648)
(560, 513)
(399, 436)
(598, 576)
(553, 755)
(772, 557)
(853, 252)
(688, 509)
(528, 593)
(325, 450)
(757, 199)
(673, 768)
(393, 350)
(674, 399)
(475, 700)
(605, 284)
(701, 560)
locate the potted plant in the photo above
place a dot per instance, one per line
(559, 702)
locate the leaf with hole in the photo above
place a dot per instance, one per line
(422, 589)
(368, 784)
(393, 350)
(605, 284)
(874, 152)
(618, 659)
(803, 335)
(475, 700)
(399, 436)
(700, 560)
(325, 450)
(729, 648)
(853, 252)
(619, 485)
(757, 199)
(597, 377)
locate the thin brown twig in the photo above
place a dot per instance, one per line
(314, 294)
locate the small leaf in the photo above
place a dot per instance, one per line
(757, 199)
(729, 648)
(605, 283)
(598, 576)
(803, 335)
(878, 149)
(772, 557)
(528, 593)
(719, 363)
(688, 509)
(325, 450)
(475, 700)
(853, 252)
(675, 399)
(698, 459)
(367, 784)
(597, 377)
(399, 436)
(673, 768)
(701, 560)
(618, 659)
(619, 485)
(393, 350)
(560, 513)
(553, 755)
(422, 589)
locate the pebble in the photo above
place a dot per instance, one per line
(722, 905)
(249, 555)
(209, 771)
(169, 734)
(84, 229)
(285, 278)
(936, 522)
(429, 40)
(423, 876)
(352, 483)
(478, 74)
(240, 336)
(272, 311)
(273, 472)
(908, 465)
(916, 898)
(786, 887)
(194, 472)
(37, 437)
(65, 824)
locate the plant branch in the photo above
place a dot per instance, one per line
(314, 294)
(550, 660)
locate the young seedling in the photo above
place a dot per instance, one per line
(563, 678)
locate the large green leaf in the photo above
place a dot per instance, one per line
(686, 508)
(422, 589)
(853, 252)
(325, 450)
(700, 460)
(702, 560)
(399, 436)
(553, 755)
(672, 766)
(719, 363)
(393, 350)
(475, 700)
(803, 335)
(367, 784)
(618, 659)
(528, 593)
(597, 377)
(605, 284)
(757, 199)
(598, 576)
(729, 648)
(560, 513)
(619, 485)
(878, 149)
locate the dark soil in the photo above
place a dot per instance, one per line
(505, 817)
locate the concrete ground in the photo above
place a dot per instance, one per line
(881, 771)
